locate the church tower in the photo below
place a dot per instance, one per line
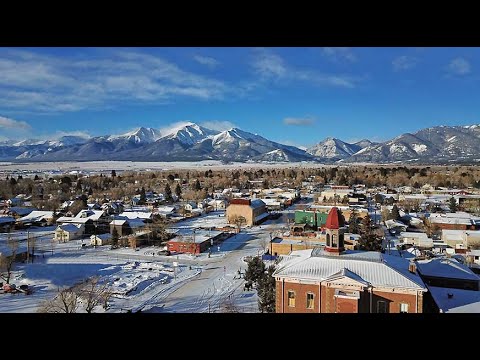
(335, 229)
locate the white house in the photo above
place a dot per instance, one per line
(218, 204)
(190, 205)
(417, 239)
(460, 239)
(102, 239)
(67, 232)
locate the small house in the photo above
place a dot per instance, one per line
(102, 239)
(67, 232)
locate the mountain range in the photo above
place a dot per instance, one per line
(192, 142)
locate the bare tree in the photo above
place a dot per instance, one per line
(7, 261)
(93, 293)
(228, 305)
(239, 221)
(53, 243)
(66, 302)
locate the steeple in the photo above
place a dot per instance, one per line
(335, 230)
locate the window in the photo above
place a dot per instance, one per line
(341, 240)
(403, 308)
(291, 298)
(381, 307)
(334, 240)
(328, 239)
(310, 301)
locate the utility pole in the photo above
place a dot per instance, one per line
(28, 246)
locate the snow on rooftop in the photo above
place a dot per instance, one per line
(447, 268)
(373, 267)
(456, 300)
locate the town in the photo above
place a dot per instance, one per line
(284, 239)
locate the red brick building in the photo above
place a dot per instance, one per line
(332, 280)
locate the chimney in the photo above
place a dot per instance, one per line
(412, 267)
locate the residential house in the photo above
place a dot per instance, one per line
(460, 240)
(122, 226)
(418, 239)
(67, 232)
(37, 218)
(190, 205)
(101, 239)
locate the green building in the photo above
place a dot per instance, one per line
(308, 217)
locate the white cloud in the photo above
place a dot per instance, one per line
(218, 125)
(337, 54)
(270, 66)
(308, 121)
(80, 133)
(53, 84)
(171, 128)
(459, 66)
(207, 61)
(10, 124)
(404, 62)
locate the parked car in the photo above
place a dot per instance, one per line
(164, 252)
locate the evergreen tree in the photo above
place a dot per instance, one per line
(115, 237)
(178, 191)
(114, 173)
(255, 269)
(168, 193)
(353, 226)
(143, 197)
(197, 186)
(36, 178)
(395, 214)
(266, 291)
(378, 198)
(453, 205)
(369, 240)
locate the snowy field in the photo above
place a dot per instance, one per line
(99, 166)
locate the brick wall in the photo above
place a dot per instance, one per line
(328, 304)
(301, 291)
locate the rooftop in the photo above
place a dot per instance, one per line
(372, 267)
(456, 300)
(446, 268)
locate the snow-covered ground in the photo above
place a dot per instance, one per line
(143, 280)
(104, 166)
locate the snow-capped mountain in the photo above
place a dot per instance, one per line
(364, 143)
(431, 145)
(190, 133)
(141, 135)
(191, 142)
(335, 149)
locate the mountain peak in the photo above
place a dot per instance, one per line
(332, 147)
(139, 135)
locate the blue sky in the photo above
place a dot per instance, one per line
(297, 96)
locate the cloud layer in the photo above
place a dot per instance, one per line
(308, 121)
(459, 66)
(10, 124)
(271, 67)
(402, 63)
(55, 84)
(207, 61)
